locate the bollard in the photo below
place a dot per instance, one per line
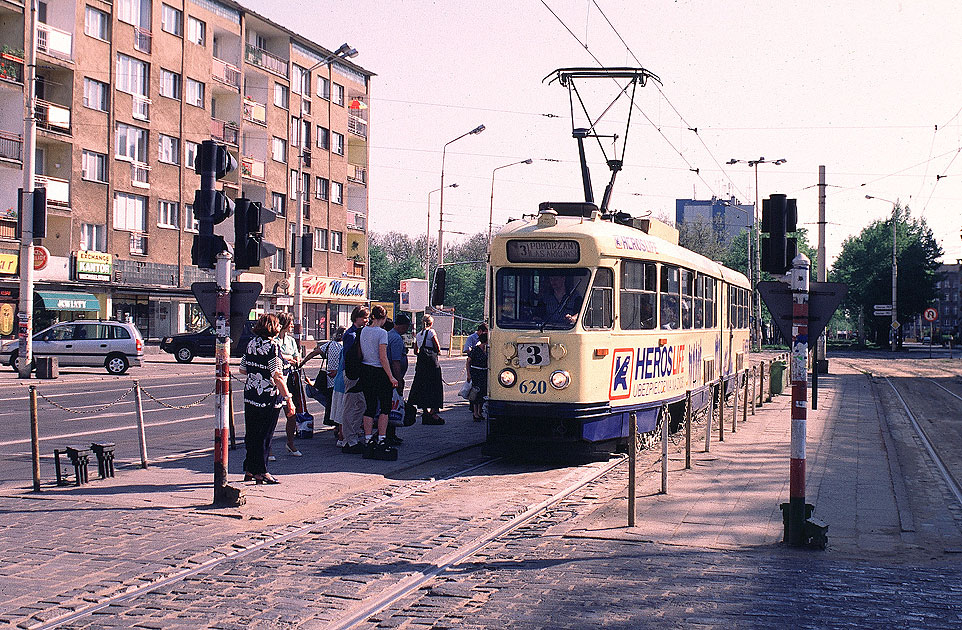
(745, 399)
(105, 458)
(761, 383)
(664, 449)
(35, 439)
(61, 478)
(754, 369)
(711, 416)
(632, 462)
(79, 457)
(721, 410)
(688, 430)
(735, 402)
(140, 425)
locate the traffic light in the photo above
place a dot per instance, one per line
(211, 206)
(779, 217)
(249, 245)
(39, 209)
(437, 296)
(302, 247)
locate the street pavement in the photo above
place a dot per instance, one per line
(707, 554)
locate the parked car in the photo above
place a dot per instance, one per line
(112, 345)
(202, 343)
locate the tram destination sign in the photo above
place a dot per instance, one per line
(564, 251)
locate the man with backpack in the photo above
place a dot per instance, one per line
(349, 407)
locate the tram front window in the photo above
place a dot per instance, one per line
(543, 299)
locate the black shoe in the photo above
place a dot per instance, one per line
(393, 440)
(435, 419)
(385, 453)
(370, 448)
(353, 449)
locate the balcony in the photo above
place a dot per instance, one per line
(359, 223)
(142, 39)
(263, 59)
(224, 131)
(11, 65)
(252, 168)
(360, 175)
(58, 190)
(53, 117)
(139, 175)
(11, 146)
(140, 108)
(225, 73)
(255, 112)
(357, 126)
(138, 243)
(54, 41)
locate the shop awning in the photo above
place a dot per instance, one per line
(68, 301)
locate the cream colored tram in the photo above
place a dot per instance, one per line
(592, 319)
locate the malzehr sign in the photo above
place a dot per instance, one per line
(95, 266)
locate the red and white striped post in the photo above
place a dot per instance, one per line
(799, 375)
(224, 494)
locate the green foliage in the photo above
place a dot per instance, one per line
(701, 237)
(865, 264)
(394, 257)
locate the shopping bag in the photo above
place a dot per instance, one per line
(465, 390)
(305, 425)
(396, 416)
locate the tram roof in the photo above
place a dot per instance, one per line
(616, 240)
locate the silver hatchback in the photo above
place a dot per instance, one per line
(112, 345)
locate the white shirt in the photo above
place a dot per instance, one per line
(372, 339)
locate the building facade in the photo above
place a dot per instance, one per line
(727, 217)
(126, 92)
(948, 299)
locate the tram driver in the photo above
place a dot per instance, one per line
(560, 304)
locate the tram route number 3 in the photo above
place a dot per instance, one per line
(533, 354)
(532, 386)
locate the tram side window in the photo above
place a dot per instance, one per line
(732, 306)
(744, 308)
(709, 286)
(668, 294)
(600, 311)
(639, 286)
(738, 307)
(699, 301)
(687, 300)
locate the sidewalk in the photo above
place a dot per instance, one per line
(730, 497)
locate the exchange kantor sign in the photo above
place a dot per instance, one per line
(930, 314)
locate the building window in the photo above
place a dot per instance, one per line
(167, 213)
(97, 23)
(135, 12)
(324, 88)
(93, 237)
(169, 84)
(132, 143)
(279, 203)
(169, 149)
(194, 92)
(132, 75)
(299, 80)
(339, 95)
(190, 153)
(279, 149)
(337, 192)
(338, 142)
(196, 31)
(96, 94)
(323, 138)
(320, 239)
(279, 260)
(191, 224)
(94, 166)
(337, 242)
(295, 131)
(282, 98)
(130, 212)
(321, 188)
(292, 187)
(306, 133)
(172, 20)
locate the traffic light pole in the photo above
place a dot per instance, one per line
(25, 316)
(799, 375)
(224, 494)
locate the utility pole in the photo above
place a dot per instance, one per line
(895, 277)
(821, 365)
(25, 316)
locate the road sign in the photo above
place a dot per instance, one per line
(243, 296)
(883, 307)
(823, 299)
(882, 313)
(930, 314)
(895, 325)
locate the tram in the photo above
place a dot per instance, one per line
(597, 316)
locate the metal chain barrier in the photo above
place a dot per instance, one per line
(83, 411)
(168, 406)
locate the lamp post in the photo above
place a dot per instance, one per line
(895, 268)
(344, 51)
(754, 268)
(427, 237)
(491, 211)
(474, 132)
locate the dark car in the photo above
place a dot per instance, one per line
(186, 346)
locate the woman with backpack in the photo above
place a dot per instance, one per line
(427, 390)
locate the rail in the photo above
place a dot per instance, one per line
(11, 146)
(268, 61)
(226, 73)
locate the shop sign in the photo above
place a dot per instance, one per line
(93, 266)
(8, 263)
(334, 289)
(41, 256)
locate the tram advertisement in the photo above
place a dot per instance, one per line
(655, 369)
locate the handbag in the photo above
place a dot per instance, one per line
(396, 416)
(431, 353)
(474, 393)
(465, 391)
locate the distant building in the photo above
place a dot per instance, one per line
(727, 217)
(948, 290)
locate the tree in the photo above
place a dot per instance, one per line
(701, 237)
(394, 257)
(865, 266)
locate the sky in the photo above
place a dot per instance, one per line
(872, 90)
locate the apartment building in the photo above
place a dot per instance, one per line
(126, 91)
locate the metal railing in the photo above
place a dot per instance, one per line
(225, 73)
(140, 175)
(268, 61)
(252, 168)
(54, 41)
(255, 112)
(52, 116)
(224, 131)
(140, 108)
(11, 66)
(11, 146)
(360, 175)
(58, 190)
(138, 243)
(357, 126)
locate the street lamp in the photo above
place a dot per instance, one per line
(473, 132)
(491, 211)
(754, 270)
(344, 51)
(895, 269)
(427, 237)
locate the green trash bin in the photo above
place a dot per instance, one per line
(776, 384)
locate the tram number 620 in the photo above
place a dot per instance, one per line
(533, 387)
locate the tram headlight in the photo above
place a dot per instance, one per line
(560, 379)
(507, 377)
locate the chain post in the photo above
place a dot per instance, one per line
(664, 449)
(35, 438)
(688, 430)
(632, 462)
(710, 418)
(141, 434)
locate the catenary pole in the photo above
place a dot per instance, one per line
(224, 494)
(25, 316)
(799, 375)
